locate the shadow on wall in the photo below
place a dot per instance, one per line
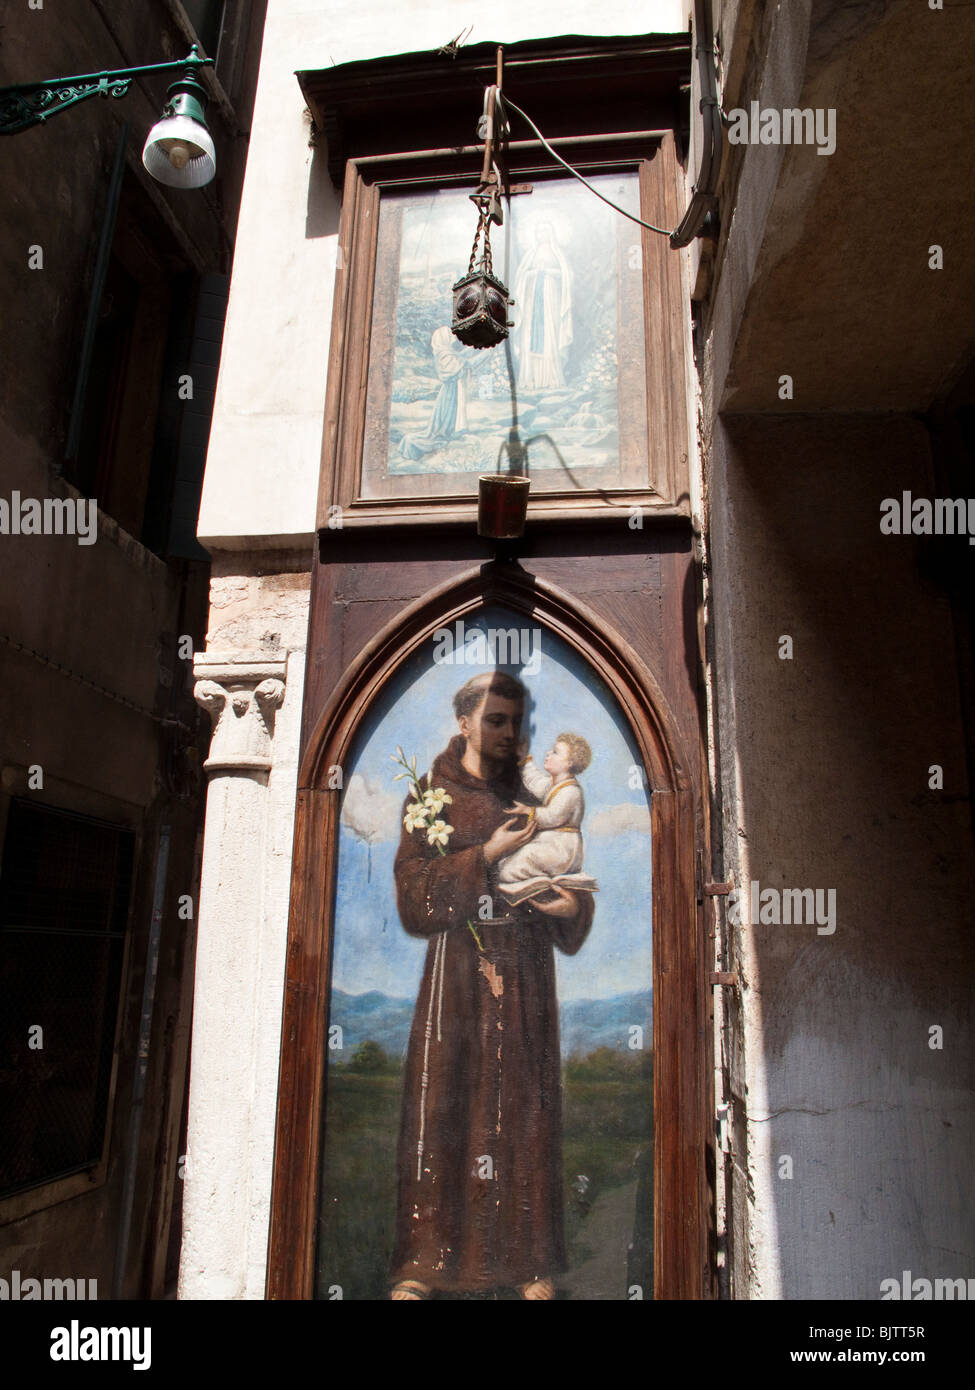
(860, 1143)
(323, 208)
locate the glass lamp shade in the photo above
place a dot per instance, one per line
(480, 317)
(179, 152)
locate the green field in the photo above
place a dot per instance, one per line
(607, 1125)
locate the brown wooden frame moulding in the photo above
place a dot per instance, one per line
(682, 1132)
(662, 486)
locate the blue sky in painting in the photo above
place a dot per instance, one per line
(372, 951)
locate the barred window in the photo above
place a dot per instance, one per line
(64, 893)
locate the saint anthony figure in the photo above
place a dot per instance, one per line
(543, 292)
(480, 1147)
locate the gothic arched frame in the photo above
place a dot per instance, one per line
(681, 1050)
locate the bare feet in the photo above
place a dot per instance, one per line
(538, 1288)
(410, 1289)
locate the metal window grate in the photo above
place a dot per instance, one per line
(64, 890)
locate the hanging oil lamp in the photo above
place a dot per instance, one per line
(481, 300)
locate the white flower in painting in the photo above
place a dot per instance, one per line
(416, 816)
(439, 832)
(436, 800)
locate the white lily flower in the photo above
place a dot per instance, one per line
(439, 832)
(436, 800)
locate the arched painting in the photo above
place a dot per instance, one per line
(489, 1085)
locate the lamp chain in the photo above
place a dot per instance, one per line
(483, 224)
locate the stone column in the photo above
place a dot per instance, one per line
(238, 983)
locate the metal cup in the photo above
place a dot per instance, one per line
(502, 505)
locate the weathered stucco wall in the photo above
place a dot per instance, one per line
(827, 786)
(821, 763)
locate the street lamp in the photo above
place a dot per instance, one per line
(179, 148)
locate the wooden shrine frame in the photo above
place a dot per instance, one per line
(682, 1061)
(662, 490)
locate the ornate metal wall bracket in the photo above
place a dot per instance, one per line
(31, 103)
(20, 109)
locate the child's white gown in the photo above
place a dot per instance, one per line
(554, 853)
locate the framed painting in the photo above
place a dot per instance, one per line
(488, 1078)
(585, 395)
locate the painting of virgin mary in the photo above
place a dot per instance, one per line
(438, 411)
(543, 289)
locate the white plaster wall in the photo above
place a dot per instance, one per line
(262, 470)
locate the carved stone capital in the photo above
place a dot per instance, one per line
(241, 691)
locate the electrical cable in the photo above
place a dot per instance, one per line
(506, 101)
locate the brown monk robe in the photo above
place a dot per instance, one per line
(485, 1208)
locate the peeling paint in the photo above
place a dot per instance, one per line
(495, 981)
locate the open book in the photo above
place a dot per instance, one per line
(537, 887)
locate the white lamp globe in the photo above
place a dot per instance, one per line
(179, 152)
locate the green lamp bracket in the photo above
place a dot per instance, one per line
(31, 103)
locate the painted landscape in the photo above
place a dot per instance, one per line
(607, 1146)
(586, 1024)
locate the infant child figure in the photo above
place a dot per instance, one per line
(553, 857)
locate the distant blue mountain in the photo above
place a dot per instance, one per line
(585, 1023)
(590, 1023)
(377, 1016)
